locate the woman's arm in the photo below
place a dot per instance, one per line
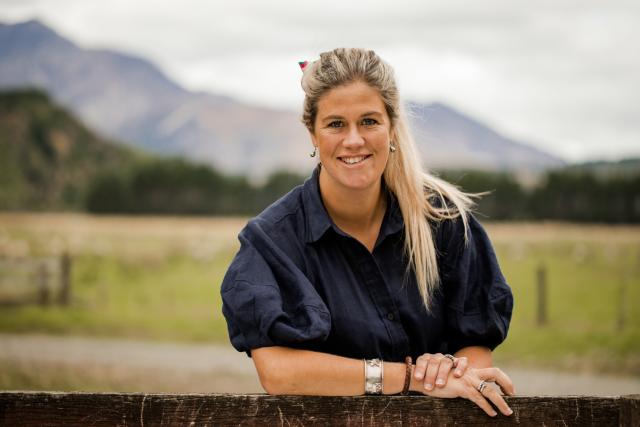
(284, 370)
(327, 374)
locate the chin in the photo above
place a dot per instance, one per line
(353, 180)
(359, 183)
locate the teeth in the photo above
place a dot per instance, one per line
(352, 160)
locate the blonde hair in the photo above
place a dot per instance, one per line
(404, 175)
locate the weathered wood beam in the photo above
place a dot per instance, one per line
(113, 409)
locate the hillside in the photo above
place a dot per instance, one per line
(50, 161)
(132, 100)
(451, 140)
(602, 168)
(47, 157)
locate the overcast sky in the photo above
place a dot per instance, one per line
(560, 75)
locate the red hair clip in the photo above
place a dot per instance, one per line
(303, 64)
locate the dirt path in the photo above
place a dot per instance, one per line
(165, 367)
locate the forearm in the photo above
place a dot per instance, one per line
(479, 357)
(285, 370)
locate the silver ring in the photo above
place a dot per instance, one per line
(450, 357)
(481, 386)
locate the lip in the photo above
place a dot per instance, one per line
(366, 157)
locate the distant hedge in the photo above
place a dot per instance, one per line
(566, 195)
(173, 186)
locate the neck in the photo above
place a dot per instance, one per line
(354, 211)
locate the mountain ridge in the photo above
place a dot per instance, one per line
(129, 98)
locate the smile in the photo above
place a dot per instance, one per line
(352, 160)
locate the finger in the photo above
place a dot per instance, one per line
(477, 398)
(461, 366)
(499, 377)
(432, 371)
(492, 394)
(421, 366)
(496, 375)
(443, 371)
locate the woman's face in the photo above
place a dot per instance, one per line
(352, 133)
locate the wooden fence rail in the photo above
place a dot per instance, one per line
(37, 280)
(114, 409)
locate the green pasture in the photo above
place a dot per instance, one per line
(593, 320)
(155, 278)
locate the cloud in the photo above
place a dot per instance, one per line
(562, 75)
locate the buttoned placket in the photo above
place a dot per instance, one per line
(380, 294)
(365, 262)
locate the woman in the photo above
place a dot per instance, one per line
(370, 262)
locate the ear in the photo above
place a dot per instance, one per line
(314, 141)
(392, 135)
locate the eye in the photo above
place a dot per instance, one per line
(369, 121)
(335, 124)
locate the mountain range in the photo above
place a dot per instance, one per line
(128, 98)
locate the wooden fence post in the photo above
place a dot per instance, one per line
(630, 410)
(65, 280)
(541, 287)
(621, 312)
(42, 279)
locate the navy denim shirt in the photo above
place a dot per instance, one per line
(301, 282)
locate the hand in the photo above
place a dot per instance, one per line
(467, 387)
(435, 369)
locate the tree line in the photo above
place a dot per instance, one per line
(567, 194)
(50, 161)
(175, 186)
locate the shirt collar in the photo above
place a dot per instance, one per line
(393, 221)
(319, 221)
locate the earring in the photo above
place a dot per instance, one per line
(392, 148)
(315, 151)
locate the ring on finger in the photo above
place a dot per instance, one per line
(481, 386)
(450, 357)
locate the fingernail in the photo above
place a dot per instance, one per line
(440, 381)
(428, 386)
(458, 372)
(510, 411)
(419, 375)
(494, 413)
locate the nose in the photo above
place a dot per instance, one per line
(353, 138)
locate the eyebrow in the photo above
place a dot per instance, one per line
(337, 117)
(371, 113)
(332, 117)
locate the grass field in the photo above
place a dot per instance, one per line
(158, 278)
(593, 275)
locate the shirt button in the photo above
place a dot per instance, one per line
(390, 316)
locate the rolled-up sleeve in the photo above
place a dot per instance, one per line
(267, 300)
(479, 302)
